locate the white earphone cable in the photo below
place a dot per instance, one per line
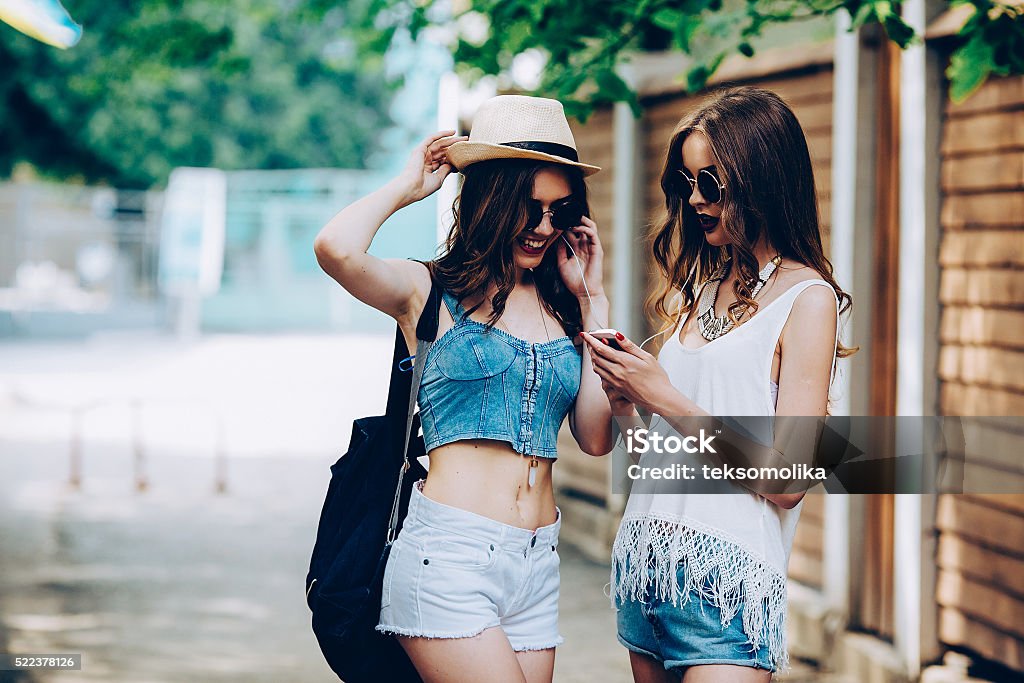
(580, 267)
(689, 277)
(587, 289)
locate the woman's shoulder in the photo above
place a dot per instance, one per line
(417, 276)
(793, 274)
(814, 303)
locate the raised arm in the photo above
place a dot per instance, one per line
(394, 286)
(581, 268)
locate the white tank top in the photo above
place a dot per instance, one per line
(740, 534)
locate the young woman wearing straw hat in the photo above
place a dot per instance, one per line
(700, 578)
(471, 585)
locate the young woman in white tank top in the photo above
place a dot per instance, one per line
(751, 311)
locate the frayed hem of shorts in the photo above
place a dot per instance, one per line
(639, 650)
(747, 664)
(537, 648)
(413, 633)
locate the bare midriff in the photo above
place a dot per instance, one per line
(491, 479)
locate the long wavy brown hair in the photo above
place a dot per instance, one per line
(761, 155)
(490, 211)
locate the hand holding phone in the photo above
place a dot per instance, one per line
(608, 335)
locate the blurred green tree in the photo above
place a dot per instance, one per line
(585, 41)
(155, 84)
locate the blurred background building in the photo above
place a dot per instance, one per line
(84, 255)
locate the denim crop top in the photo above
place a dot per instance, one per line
(483, 383)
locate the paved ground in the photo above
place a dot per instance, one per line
(180, 583)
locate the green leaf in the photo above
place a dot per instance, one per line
(1017, 55)
(746, 49)
(969, 67)
(634, 104)
(667, 18)
(611, 87)
(757, 22)
(518, 37)
(417, 22)
(684, 33)
(865, 13)
(998, 28)
(381, 40)
(569, 83)
(575, 109)
(696, 78)
(898, 30)
(230, 65)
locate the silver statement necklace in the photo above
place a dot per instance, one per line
(714, 326)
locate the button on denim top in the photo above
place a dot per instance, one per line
(482, 383)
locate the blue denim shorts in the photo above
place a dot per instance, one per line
(453, 574)
(687, 633)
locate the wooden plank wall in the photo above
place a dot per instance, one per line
(809, 93)
(981, 369)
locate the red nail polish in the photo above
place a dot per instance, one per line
(605, 341)
(620, 336)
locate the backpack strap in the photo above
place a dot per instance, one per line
(402, 362)
(426, 335)
(454, 306)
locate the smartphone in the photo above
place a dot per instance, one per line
(609, 335)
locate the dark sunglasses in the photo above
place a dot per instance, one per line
(565, 214)
(707, 182)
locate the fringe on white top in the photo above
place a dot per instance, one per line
(718, 570)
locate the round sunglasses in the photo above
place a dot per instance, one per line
(565, 214)
(706, 181)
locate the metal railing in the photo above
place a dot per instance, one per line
(136, 406)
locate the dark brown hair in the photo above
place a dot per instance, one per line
(761, 155)
(490, 212)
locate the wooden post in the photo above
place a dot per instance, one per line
(138, 449)
(221, 458)
(915, 611)
(75, 453)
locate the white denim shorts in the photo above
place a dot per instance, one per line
(454, 574)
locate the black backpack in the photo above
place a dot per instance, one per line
(367, 499)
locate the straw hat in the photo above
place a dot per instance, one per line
(519, 127)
